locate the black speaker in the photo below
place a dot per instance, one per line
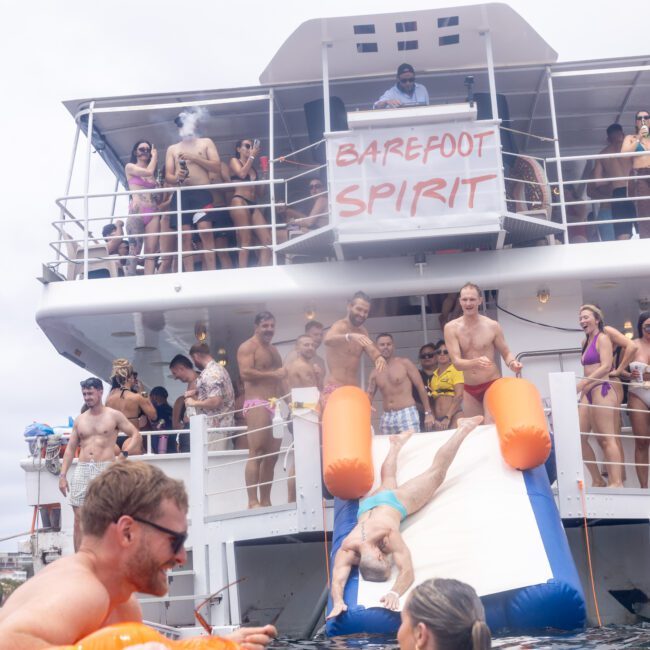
(315, 117)
(484, 112)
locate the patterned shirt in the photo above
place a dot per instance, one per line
(214, 381)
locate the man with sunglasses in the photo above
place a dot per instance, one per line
(405, 92)
(396, 384)
(135, 528)
(95, 434)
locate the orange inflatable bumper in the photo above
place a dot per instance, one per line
(348, 470)
(516, 408)
(126, 635)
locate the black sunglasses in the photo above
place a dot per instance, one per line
(143, 150)
(92, 382)
(408, 80)
(247, 145)
(177, 539)
(442, 351)
(643, 117)
(428, 355)
(646, 328)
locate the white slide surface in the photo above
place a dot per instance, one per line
(480, 527)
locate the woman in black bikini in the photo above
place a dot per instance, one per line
(244, 213)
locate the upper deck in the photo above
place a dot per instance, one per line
(549, 120)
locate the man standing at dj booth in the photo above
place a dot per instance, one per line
(405, 92)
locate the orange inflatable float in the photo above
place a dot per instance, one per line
(516, 408)
(348, 470)
(126, 635)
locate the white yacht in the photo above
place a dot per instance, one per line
(473, 187)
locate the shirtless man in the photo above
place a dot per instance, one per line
(376, 535)
(260, 366)
(605, 190)
(135, 523)
(190, 162)
(95, 433)
(302, 372)
(314, 329)
(473, 341)
(345, 341)
(396, 385)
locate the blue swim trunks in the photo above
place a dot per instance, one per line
(383, 498)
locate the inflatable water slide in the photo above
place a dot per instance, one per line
(493, 523)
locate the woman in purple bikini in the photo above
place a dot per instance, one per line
(594, 389)
(141, 175)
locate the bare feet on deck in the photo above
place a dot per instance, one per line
(400, 439)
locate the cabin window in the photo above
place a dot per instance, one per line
(411, 26)
(407, 45)
(362, 48)
(364, 29)
(449, 21)
(452, 39)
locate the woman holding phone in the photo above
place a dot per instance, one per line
(244, 212)
(141, 175)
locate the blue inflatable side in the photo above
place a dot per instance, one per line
(558, 603)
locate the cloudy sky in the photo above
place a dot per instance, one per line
(52, 51)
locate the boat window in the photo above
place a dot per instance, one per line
(449, 21)
(410, 26)
(452, 39)
(407, 45)
(364, 29)
(362, 48)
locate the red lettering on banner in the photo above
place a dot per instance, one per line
(400, 196)
(393, 146)
(479, 137)
(467, 137)
(454, 191)
(342, 197)
(432, 145)
(346, 155)
(382, 191)
(411, 147)
(372, 151)
(448, 138)
(429, 189)
(473, 182)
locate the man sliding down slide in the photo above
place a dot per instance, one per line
(376, 535)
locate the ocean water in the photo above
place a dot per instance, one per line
(603, 638)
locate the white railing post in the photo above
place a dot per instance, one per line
(309, 487)
(89, 150)
(197, 499)
(568, 449)
(274, 233)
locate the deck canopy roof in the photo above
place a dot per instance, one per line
(428, 39)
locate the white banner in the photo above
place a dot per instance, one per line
(415, 177)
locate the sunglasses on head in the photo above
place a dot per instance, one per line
(91, 382)
(427, 355)
(177, 539)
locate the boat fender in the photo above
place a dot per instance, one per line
(137, 635)
(516, 408)
(348, 470)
